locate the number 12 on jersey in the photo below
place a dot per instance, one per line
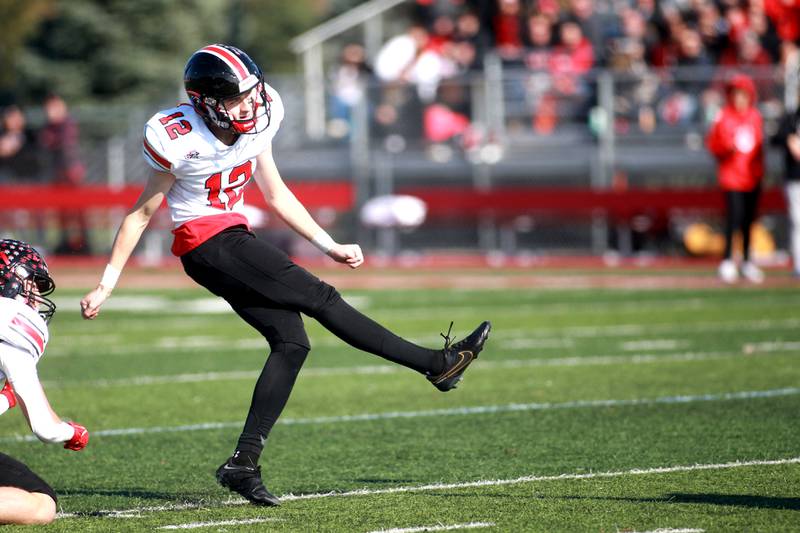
(231, 183)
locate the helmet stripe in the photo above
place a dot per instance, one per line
(230, 58)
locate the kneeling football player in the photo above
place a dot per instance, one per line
(25, 311)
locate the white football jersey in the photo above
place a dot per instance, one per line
(23, 328)
(23, 338)
(210, 176)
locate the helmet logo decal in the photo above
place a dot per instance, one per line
(22, 272)
(248, 83)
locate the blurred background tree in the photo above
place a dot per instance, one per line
(264, 29)
(118, 51)
(19, 21)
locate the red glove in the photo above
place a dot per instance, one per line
(79, 439)
(8, 392)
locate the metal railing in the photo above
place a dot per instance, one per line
(496, 126)
(491, 129)
(310, 48)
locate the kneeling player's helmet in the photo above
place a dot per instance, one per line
(218, 72)
(24, 273)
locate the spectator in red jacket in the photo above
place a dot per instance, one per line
(736, 140)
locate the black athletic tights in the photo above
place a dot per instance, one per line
(269, 292)
(739, 216)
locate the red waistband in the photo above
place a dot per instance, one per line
(192, 234)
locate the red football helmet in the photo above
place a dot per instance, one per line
(24, 273)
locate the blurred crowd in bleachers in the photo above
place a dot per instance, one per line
(668, 58)
(48, 153)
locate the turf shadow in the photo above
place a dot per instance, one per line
(130, 493)
(738, 500)
(735, 500)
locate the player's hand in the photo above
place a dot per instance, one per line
(90, 304)
(8, 392)
(349, 254)
(79, 439)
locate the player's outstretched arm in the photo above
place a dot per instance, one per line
(128, 235)
(286, 205)
(20, 369)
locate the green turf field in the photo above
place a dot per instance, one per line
(589, 410)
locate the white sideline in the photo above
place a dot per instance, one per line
(591, 360)
(195, 525)
(475, 410)
(438, 527)
(127, 513)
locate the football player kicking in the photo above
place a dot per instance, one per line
(202, 155)
(25, 311)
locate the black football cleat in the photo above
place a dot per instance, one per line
(246, 481)
(457, 357)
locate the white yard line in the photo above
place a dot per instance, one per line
(775, 346)
(748, 349)
(195, 525)
(516, 338)
(219, 306)
(192, 306)
(216, 376)
(451, 486)
(458, 411)
(652, 344)
(437, 527)
(629, 330)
